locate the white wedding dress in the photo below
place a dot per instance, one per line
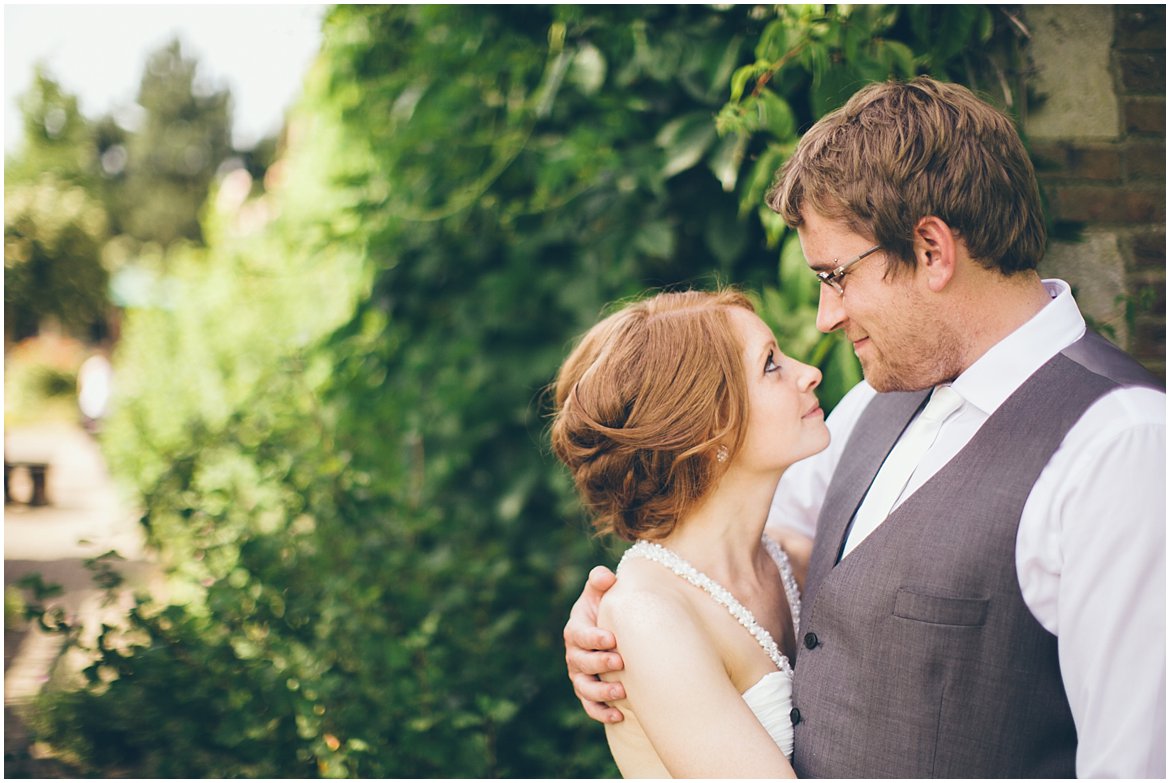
(770, 699)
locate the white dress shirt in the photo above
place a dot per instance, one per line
(1091, 545)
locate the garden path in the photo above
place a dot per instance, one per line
(86, 517)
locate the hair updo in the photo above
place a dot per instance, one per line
(643, 402)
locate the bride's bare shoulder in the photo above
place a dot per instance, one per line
(645, 595)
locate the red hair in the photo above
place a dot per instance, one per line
(643, 402)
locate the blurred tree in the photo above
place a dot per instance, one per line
(110, 142)
(54, 226)
(56, 136)
(171, 158)
(53, 236)
(75, 184)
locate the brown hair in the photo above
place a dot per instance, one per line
(897, 152)
(641, 404)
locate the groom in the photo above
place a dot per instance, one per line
(994, 605)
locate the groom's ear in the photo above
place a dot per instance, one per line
(936, 252)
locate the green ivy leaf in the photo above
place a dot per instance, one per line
(740, 78)
(776, 116)
(655, 239)
(773, 41)
(985, 23)
(762, 174)
(685, 140)
(774, 226)
(725, 163)
(796, 281)
(724, 236)
(834, 88)
(588, 68)
(897, 56)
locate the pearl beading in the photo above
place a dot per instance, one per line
(665, 557)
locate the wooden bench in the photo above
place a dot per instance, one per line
(38, 475)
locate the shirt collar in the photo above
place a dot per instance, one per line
(1015, 358)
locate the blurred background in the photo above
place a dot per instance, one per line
(277, 329)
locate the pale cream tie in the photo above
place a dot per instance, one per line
(900, 463)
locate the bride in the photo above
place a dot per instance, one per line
(676, 416)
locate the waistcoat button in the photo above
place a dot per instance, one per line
(811, 640)
(795, 716)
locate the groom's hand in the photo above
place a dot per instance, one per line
(589, 651)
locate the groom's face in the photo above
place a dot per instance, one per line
(887, 317)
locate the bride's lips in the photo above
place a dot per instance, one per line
(815, 410)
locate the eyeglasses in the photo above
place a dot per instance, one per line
(835, 277)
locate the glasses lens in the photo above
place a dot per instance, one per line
(831, 280)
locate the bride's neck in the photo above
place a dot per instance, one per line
(721, 535)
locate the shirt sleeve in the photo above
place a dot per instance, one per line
(1094, 573)
(801, 491)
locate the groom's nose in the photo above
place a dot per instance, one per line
(830, 310)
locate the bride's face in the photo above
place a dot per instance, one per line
(785, 420)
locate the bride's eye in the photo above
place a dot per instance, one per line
(770, 365)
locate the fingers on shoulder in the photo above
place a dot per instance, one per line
(601, 578)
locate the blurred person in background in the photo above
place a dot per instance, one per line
(95, 383)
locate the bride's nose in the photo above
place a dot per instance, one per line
(810, 377)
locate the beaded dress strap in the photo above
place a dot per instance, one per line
(791, 589)
(665, 557)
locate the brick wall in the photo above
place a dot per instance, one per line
(1115, 187)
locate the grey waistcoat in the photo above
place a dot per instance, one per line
(918, 655)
